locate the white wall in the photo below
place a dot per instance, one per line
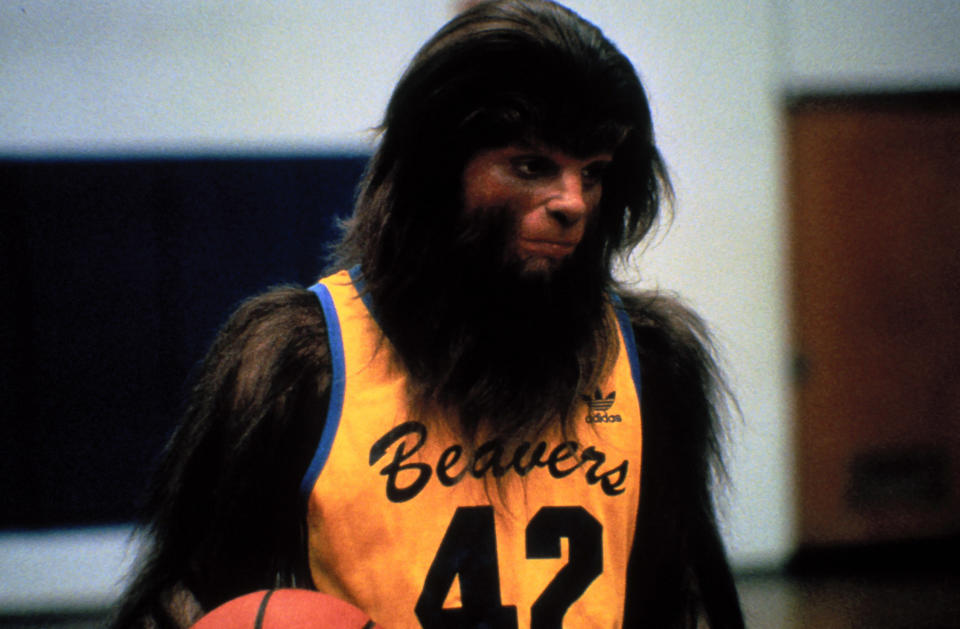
(175, 75)
(869, 44)
(184, 75)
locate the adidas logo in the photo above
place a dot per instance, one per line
(598, 405)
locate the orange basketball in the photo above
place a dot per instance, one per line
(286, 609)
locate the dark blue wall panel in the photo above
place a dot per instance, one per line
(114, 276)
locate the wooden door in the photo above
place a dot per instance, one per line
(875, 221)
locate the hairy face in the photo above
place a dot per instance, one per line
(520, 327)
(548, 195)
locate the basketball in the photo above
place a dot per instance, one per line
(286, 609)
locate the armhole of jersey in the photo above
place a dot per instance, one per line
(337, 382)
(626, 331)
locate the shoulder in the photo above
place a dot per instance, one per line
(670, 335)
(282, 325)
(685, 396)
(282, 311)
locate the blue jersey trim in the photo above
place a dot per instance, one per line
(337, 384)
(626, 329)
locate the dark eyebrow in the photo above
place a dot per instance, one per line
(529, 145)
(533, 146)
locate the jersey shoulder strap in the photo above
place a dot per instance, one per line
(337, 383)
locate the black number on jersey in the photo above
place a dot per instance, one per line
(469, 549)
(585, 563)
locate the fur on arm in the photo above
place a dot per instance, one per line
(224, 516)
(678, 568)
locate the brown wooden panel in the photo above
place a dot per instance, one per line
(875, 196)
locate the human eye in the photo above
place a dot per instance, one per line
(533, 166)
(593, 173)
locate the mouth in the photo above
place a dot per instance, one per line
(545, 248)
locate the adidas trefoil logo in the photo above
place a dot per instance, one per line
(598, 405)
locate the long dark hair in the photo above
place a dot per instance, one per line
(499, 73)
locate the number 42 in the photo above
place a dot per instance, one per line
(469, 549)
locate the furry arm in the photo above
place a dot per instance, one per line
(224, 515)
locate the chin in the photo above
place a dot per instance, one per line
(538, 265)
(539, 270)
(532, 264)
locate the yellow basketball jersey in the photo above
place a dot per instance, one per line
(418, 530)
